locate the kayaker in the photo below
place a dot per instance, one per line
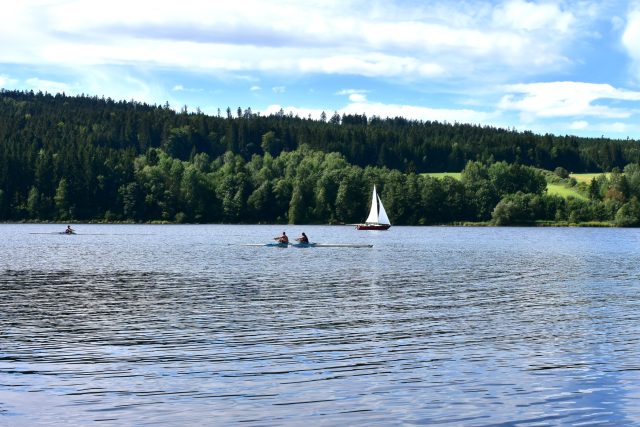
(69, 230)
(303, 238)
(282, 239)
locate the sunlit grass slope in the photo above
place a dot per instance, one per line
(553, 189)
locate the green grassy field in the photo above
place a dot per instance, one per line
(554, 189)
(561, 190)
(580, 177)
(440, 175)
(586, 177)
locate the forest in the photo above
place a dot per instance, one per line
(83, 158)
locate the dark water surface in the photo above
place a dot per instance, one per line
(181, 325)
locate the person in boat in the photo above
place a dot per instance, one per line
(282, 239)
(303, 238)
(69, 230)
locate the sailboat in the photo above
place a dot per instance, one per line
(377, 219)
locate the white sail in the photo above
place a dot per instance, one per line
(383, 218)
(373, 213)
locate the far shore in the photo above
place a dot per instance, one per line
(599, 224)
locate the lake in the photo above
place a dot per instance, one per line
(182, 325)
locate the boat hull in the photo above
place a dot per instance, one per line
(278, 245)
(373, 226)
(302, 245)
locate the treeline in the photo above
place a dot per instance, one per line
(305, 186)
(31, 121)
(300, 186)
(613, 199)
(84, 158)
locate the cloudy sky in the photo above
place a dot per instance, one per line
(562, 67)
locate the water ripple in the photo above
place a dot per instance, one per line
(431, 326)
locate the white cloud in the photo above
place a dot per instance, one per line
(631, 38)
(527, 16)
(418, 112)
(103, 82)
(48, 85)
(358, 97)
(579, 125)
(473, 46)
(375, 39)
(351, 91)
(616, 127)
(354, 95)
(541, 108)
(383, 110)
(369, 65)
(564, 99)
(6, 81)
(121, 85)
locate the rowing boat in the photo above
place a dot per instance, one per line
(309, 245)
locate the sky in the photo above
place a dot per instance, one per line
(561, 67)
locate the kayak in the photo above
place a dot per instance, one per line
(310, 245)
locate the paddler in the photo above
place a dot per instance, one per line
(303, 238)
(69, 230)
(282, 239)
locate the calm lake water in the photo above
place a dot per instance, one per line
(182, 325)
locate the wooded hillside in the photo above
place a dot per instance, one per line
(87, 158)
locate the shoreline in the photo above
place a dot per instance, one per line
(559, 224)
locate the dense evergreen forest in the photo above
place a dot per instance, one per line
(88, 158)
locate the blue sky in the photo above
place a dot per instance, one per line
(562, 67)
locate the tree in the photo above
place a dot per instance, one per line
(117, 157)
(629, 214)
(561, 172)
(62, 200)
(296, 213)
(179, 142)
(350, 200)
(511, 178)
(132, 201)
(3, 209)
(480, 189)
(514, 209)
(260, 203)
(34, 204)
(632, 175)
(270, 144)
